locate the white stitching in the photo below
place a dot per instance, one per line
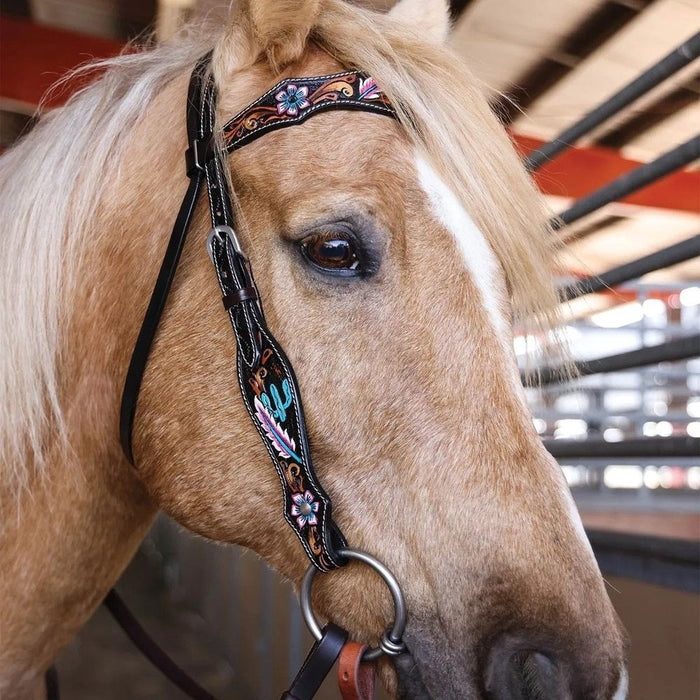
(275, 462)
(209, 197)
(278, 469)
(216, 166)
(309, 475)
(244, 311)
(305, 464)
(284, 82)
(379, 108)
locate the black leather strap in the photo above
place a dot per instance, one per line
(268, 385)
(318, 664)
(316, 667)
(142, 348)
(51, 682)
(247, 294)
(271, 394)
(197, 155)
(145, 644)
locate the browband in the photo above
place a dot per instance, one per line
(293, 100)
(268, 386)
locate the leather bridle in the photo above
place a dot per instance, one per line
(265, 376)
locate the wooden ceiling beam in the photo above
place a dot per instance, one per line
(603, 23)
(34, 57)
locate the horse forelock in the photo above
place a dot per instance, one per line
(441, 106)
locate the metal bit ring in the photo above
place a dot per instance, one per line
(390, 643)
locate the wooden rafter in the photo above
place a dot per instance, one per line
(39, 55)
(604, 22)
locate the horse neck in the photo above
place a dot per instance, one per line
(64, 545)
(67, 538)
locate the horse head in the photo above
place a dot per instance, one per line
(393, 257)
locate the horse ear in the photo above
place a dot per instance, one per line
(431, 17)
(281, 28)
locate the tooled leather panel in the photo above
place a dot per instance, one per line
(271, 395)
(294, 100)
(268, 385)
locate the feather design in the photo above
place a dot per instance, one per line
(278, 436)
(368, 89)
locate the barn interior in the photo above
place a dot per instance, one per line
(545, 65)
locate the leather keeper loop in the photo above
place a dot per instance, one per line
(240, 295)
(197, 155)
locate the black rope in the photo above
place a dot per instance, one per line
(630, 182)
(661, 259)
(670, 351)
(680, 57)
(145, 644)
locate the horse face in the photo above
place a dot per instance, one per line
(395, 311)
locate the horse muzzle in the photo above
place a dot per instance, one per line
(516, 668)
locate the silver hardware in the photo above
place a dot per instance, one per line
(390, 643)
(220, 233)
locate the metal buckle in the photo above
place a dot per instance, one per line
(390, 643)
(221, 233)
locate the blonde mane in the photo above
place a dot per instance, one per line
(50, 184)
(52, 180)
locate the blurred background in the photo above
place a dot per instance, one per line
(626, 432)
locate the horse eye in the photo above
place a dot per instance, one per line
(332, 252)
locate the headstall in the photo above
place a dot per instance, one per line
(265, 376)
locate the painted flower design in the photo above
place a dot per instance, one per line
(292, 99)
(304, 508)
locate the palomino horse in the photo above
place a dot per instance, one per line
(417, 420)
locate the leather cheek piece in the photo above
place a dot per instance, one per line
(356, 680)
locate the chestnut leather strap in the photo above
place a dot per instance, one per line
(355, 679)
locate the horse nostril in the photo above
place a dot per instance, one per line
(520, 673)
(533, 676)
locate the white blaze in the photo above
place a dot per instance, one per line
(478, 256)
(575, 518)
(623, 685)
(484, 270)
